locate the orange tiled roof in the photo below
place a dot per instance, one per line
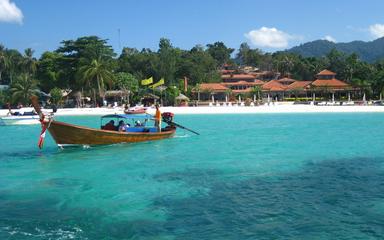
(286, 80)
(238, 76)
(325, 72)
(259, 82)
(241, 83)
(213, 87)
(225, 71)
(333, 83)
(273, 85)
(298, 85)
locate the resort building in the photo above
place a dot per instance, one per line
(233, 87)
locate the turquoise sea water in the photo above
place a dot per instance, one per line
(274, 176)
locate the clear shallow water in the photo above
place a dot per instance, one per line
(281, 176)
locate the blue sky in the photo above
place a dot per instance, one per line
(266, 24)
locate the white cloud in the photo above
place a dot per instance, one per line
(9, 12)
(269, 37)
(377, 30)
(329, 38)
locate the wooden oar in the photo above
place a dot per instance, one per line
(182, 127)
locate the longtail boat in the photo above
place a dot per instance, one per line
(21, 117)
(135, 110)
(66, 134)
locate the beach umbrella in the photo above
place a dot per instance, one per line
(268, 100)
(226, 98)
(254, 97)
(314, 97)
(182, 97)
(349, 96)
(239, 98)
(333, 97)
(364, 98)
(213, 98)
(381, 97)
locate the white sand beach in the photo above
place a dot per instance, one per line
(278, 108)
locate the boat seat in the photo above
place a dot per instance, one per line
(142, 129)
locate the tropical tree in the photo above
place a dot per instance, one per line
(378, 79)
(248, 56)
(96, 72)
(198, 65)
(49, 71)
(256, 92)
(284, 63)
(56, 96)
(363, 85)
(4, 97)
(14, 62)
(3, 61)
(127, 82)
(140, 64)
(168, 57)
(228, 93)
(170, 94)
(23, 88)
(220, 52)
(80, 52)
(29, 62)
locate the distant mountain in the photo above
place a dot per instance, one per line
(368, 51)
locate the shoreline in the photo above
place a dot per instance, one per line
(262, 109)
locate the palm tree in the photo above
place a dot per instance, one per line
(3, 61)
(364, 85)
(29, 62)
(14, 63)
(228, 93)
(255, 91)
(23, 88)
(96, 71)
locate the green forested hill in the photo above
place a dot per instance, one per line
(368, 51)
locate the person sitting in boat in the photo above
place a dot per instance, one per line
(122, 126)
(110, 126)
(138, 124)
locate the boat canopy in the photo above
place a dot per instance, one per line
(128, 116)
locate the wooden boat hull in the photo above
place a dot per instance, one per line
(68, 134)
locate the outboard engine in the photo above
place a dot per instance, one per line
(167, 117)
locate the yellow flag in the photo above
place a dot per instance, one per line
(159, 83)
(147, 81)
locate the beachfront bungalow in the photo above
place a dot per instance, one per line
(298, 89)
(211, 92)
(225, 91)
(327, 85)
(273, 89)
(243, 85)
